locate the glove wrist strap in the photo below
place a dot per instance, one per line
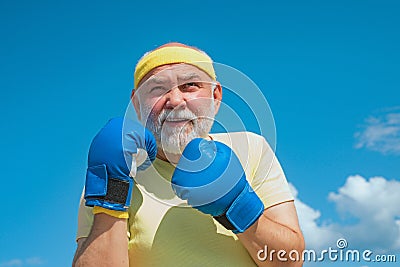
(107, 192)
(223, 220)
(243, 212)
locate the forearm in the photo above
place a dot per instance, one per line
(106, 245)
(266, 233)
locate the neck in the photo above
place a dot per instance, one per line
(173, 158)
(168, 157)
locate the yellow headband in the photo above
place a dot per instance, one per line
(171, 55)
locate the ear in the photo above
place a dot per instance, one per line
(135, 103)
(217, 94)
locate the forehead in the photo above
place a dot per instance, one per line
(175, 71)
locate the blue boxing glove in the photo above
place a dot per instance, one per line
(108, 184)
(211, 178)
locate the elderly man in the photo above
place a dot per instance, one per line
(206, 200)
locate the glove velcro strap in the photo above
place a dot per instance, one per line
(243, 212)
(225, 222)
(117, 191)
(101, 187)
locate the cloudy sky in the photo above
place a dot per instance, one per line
(329, 71)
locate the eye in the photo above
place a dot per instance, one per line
(191, 86)
(158, 90)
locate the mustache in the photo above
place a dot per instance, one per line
(175, 115)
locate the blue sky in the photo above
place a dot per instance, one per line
(329, 70)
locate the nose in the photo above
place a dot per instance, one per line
(175, 99)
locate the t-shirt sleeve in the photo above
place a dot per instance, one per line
(85, 219)
(267, 177)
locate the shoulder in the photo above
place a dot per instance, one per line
(238, 138)
(250, 148)
(244, 142)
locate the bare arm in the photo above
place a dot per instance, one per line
(278, 229)
(106, 245)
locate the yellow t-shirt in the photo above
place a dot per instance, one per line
(163, 231)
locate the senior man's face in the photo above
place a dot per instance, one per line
(177, 103)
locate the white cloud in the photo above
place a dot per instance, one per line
(373, 203)
(34, 261)
(381, 133)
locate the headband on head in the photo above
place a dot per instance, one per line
(170, 55)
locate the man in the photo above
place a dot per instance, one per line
(180, 213)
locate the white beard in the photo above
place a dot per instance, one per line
(174, 139)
